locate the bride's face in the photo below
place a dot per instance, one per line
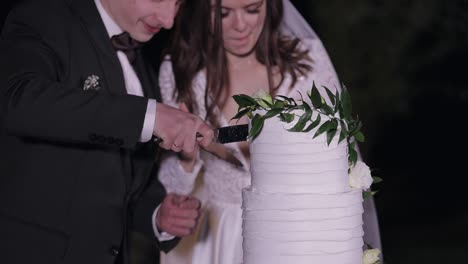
(242, 22)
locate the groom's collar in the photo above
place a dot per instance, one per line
(109, 23)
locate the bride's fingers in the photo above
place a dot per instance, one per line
(204, 133)
(207, 134)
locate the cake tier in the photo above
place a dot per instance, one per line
(269, 256)
(302, 228)
(292, 162)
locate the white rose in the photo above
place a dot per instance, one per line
(360, 176)
(371, 256)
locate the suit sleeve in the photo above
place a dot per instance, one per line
(142, 222)
(36, 103)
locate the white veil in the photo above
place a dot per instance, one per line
(294, 24)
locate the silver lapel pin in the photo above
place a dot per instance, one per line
(91, 83)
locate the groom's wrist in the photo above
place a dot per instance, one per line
(160, 234)
(149, 122)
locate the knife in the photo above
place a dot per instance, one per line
(229, 134)
(223, 135)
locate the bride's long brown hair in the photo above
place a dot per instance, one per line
(194, 47)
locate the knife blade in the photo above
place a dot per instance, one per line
(229, 134)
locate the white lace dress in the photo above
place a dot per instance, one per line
(218, 239)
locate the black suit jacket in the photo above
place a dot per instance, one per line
(73, 178)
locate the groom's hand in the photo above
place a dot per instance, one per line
(178, 215)
(178, 129)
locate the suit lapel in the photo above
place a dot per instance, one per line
(89, 17)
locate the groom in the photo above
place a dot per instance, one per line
(78, 114)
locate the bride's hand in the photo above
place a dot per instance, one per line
(188, 159)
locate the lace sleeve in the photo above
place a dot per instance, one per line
(171, 174)
(167, 82)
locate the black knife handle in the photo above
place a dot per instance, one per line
(230, 134)
(235, 133)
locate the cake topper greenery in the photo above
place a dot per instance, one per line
(334, 120)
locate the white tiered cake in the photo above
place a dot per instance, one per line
(300, 208)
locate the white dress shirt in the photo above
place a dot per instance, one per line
(133, 86)
(132, 83)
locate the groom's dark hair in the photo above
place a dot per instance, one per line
(197, 44)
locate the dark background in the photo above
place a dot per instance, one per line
(404, 62)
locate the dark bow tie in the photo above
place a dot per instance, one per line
(125, 43)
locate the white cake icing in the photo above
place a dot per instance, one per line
(300, 208)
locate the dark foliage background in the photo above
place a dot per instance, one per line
(404, 62)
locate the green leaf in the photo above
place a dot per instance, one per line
(324, 127)
(332, 131)
(241, 113)
(366, 194)
(257, 125)
(359, 137)
(313, 125)
(342, 136)
(331, 96)
(315, 97)
(344, 127)
(278, 105)
(289, 100)
(330, 135)
(346, 104)
(244, 100)
(357, 125)
(299, 126)
(377, 179)
(338, 102)
(268, 99)
(264, 103)
(328, 110)
(287, 117)
(272, 113)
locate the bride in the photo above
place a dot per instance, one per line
(221, 48)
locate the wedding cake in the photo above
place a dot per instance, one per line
(299, 208)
